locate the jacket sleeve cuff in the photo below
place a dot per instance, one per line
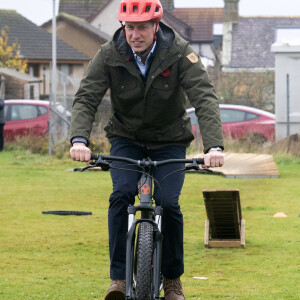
(215, 149)
(79, 139)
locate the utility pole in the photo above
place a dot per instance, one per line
(53, 75)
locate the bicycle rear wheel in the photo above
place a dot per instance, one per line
(143, 262)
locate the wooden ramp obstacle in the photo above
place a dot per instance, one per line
(246, 165)
(224, 226)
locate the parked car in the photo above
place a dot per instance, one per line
(23, 117)
(239, 121)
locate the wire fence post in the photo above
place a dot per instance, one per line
(288, 104)
(53, 76)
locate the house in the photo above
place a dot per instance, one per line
(206, 30)
(102, 14)
(36, 48)
(248, 64)
(78, 33)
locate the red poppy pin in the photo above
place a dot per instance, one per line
(166, 72)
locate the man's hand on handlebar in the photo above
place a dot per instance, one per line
(213, 158)
(80, 152)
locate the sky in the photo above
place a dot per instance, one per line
(41, 11)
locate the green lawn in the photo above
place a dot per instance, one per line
(66, 257)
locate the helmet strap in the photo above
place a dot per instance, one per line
(123, 28)
(155, 34)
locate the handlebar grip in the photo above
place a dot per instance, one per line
(200, 161)
(94, 156)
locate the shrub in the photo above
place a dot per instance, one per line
(40, 145)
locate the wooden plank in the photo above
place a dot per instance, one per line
(206, 235)
(247, 165)
(243, 233)
(224, 243)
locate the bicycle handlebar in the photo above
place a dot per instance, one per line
(146, 162)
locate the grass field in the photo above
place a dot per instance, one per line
(66, 257)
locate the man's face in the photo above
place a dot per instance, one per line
(140, 35)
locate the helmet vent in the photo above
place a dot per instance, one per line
(148, 7)
(135, 8)
(157, 9)
(124, 8)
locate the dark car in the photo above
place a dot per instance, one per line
(239, 121)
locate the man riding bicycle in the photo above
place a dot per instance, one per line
(149, 70)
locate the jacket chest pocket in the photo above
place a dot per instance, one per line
(122, 81)
(167, 80)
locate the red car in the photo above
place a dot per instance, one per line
(23, 117)
(239, 121)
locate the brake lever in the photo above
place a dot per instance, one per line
(105, 166)
(87, 167)
(193, 166)
(207, 170)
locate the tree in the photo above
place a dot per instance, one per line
(9, 53)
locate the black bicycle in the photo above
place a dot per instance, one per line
(144, 237)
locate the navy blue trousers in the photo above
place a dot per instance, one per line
(124, 191)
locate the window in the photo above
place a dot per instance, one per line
(218, 29)
(23, 112)
(287, 34)
(34, 70)
(230, 115)
(251, 116)
(31, 92)
(64, 73)
(26, 111)
(42, 110)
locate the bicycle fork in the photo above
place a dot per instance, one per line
(147, 211)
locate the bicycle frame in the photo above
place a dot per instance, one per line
(152, 215)
(149, 213)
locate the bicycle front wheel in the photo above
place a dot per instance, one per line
(143, 262)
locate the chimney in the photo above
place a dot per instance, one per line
(231, 18)
(168, 5)
(231, 11)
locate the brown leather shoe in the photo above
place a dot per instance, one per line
(116, 290)
(173, 289)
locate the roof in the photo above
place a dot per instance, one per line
(82, 24)
(81, 8)
(19, 75)
(178, 25)
(27, 101)
(201, 20)
(252, 38)
(35, 42)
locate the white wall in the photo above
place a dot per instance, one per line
(287, 61)
(107, 19)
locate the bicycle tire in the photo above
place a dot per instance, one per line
(143, 261)
(67, 212)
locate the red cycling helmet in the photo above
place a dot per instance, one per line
(140, 10)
